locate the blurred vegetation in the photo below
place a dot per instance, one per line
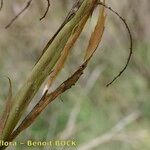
(90, 107)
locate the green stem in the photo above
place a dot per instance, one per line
(42, 69)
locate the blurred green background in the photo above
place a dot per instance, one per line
(101, 118)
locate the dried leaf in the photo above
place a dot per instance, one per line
(70, 43)
(48, 98)
(97, 34)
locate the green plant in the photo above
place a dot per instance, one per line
(50, 64)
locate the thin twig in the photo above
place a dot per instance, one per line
(131, 42)
(20, 13)
(1, 5)
(47, 9)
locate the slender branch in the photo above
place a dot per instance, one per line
(131, 42)
(1, 5)
(18, 15)
(47, 9)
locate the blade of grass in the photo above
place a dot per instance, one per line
(64, 54)
(48, 98)
(7, 108)
(97, 34)
(43, 68)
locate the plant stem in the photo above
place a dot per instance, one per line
(42, 69)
